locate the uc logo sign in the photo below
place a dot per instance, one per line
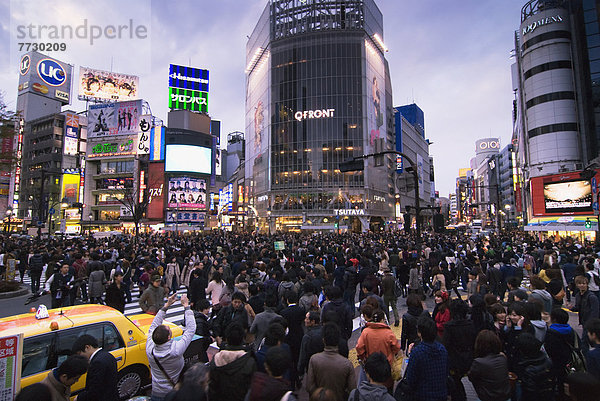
(24, 65)
(51, 72)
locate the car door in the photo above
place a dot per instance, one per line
(39, 357)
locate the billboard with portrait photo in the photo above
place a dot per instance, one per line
(105, 85)
(110, 119)
(187, 192)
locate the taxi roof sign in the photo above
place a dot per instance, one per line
(42, 312)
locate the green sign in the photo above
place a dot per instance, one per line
(279, 245)
(186, 99)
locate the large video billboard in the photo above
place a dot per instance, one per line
(105, 85)
(45, 76)
(188, 158)
(570, 196)
(187, 192)
(561, 194)
(111, 119)
(70, 188)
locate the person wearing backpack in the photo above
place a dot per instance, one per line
(563, 346)
(593, 279)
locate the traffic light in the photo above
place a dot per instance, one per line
(588, 223)
(352, 165)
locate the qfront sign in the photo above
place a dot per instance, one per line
(349, 212)
(544, 21)
(310, 114)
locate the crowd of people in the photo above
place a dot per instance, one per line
(283, 321)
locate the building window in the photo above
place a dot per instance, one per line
(553, 65)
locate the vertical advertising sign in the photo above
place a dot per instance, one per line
(420, 174)
(156, 192)
(11, 358)
(145, 126)
(185, 99)
(157, 143)
(71, 137)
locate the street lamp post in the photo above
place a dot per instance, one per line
(269, 220)
(90, 218)
(507, 207)
(174, 216)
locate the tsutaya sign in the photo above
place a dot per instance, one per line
(349, 212)
(308, 114)
(544, 21)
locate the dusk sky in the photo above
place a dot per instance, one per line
(451, 58)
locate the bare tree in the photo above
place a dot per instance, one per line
(135, 206)
(8, 130)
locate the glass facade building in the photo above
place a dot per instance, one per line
(318, 93)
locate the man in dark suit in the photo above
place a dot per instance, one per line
(101, 381)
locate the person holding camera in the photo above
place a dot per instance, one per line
(165, 356)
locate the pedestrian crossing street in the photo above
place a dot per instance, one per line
(175, 314)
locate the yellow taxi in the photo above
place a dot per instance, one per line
(47, 342)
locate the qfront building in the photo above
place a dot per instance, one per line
(318, 92)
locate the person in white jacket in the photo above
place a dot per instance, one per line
(165, 356)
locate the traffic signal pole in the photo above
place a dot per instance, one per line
(357, 164)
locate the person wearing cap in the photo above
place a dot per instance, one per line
(153, 297)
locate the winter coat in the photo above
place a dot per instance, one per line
(312, 343)
(388, 286)
(345, 314)
(544, 296)
(587, 306)
(441, 318)
(427, 372)
(58, 390)
(413, 279)
(539, 329)
(368, 391)
(489, 376)
(459, 340)
(535, 376)
(267, 388)
(172, 271)
(152, 299)
(409, 326)
(377, 337)
(228, 315)
(115, 297)
(231, 373)
(96, 284)
(559, 339)
(261, 324)
(330, 370)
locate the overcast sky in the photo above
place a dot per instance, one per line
(452, 58)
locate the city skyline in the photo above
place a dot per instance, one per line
(454, 62)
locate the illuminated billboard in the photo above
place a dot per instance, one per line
(188, 78)
(123, 147)
(561, 194)
(45, 76)
(70, 188)
(156, 192)
(569, 196)
(186, 99)
(188, 158)
(187, 192)
(157, 143)
(111, 119)
(105, 85)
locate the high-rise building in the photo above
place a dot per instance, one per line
(318, 92)
(556, 80)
